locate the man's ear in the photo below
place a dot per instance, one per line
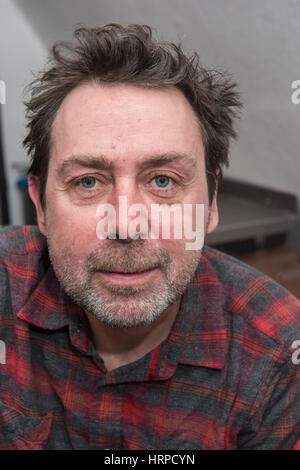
(213, 214)
(33, 189)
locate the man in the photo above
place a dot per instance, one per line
(115, 338)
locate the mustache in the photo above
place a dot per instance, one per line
(125, 260)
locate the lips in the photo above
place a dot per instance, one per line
(129, 272)
(121, 277)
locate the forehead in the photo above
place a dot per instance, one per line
(124, 122)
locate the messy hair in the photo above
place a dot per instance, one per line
(130, 54)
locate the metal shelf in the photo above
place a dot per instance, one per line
(248, 211)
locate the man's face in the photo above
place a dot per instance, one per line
(112, 141)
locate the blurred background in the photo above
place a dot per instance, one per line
(257, 42)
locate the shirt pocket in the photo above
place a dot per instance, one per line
(21, 432)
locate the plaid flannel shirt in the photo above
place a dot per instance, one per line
(223, 379)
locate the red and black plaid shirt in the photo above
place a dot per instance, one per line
(223, 379)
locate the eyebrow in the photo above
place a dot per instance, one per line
(99, 163)
(160, 160)
(103, 163)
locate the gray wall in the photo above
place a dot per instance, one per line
(21, 50)
(256, 41)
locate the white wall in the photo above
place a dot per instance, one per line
(21, 51)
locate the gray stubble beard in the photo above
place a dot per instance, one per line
(124, 306)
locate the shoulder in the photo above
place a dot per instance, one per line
(23, 261)
(21, 250)
(259, 302)
(20, 240)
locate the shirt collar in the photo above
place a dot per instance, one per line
(49, 307)
(198, 336)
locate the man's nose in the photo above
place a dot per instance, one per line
(129, 204)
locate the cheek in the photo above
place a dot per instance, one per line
(176, 249)
(186, 231)
(73, 231)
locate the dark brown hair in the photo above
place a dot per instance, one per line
(118, 54)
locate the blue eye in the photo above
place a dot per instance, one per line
(162, 181)
(88, 182)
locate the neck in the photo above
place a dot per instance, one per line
(121, 346)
